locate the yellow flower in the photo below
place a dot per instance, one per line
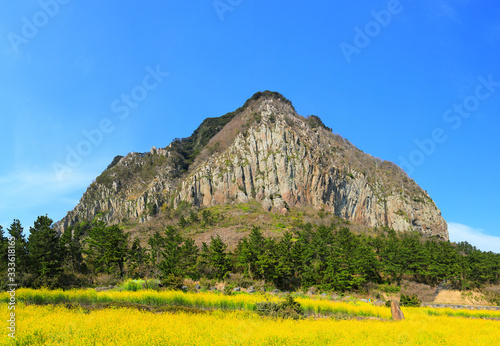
(237, 324)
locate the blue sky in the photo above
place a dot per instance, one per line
(413, 82)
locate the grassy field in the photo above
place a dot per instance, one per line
(200, 300)
(231, 320)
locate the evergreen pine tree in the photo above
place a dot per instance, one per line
(106, 248)
(137, 260)
(218, 258)
(16, 231)
(4, 244)
(45, 256)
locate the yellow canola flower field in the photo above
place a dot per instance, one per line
(57, 325)
(233, 323)
(203, 300)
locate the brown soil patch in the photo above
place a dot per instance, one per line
(425, 292)
(460, 297)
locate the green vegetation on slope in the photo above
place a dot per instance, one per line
(191, 146)
(328, 257)
(183, 151)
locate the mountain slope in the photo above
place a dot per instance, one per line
(266, 152)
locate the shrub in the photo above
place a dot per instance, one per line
(389, 288)
(139, 284)
(151, 284)
(239, 280)
(193, 217)
(228, 289)
(105, 280)
(314, 121)
(289, 308)
(151, 209)
(132, 285)
(172, 282)
(182, 222)
(410, 300)
(206, 283)
(258, 117)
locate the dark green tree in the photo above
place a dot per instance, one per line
(182, 222)
(250, 254)
(445, 263)
(480, 269)
(106, 248)
(156, 243)
(171, 253)
(303, 256)
(193, 217)
(267, 261)
(137, 260)
(4, 244)
(285, 267)
(218, 258)
(413, 258)
(392, 266)
(203, 261)
(16, 231)
(44, 252)
(207, 218)
(189, 256)
(464, 248)
(71, 245)
(351, 264)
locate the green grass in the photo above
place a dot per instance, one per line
(462, 313)
(139, 284)
(202, 300)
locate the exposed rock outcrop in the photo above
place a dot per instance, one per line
(397, 314)
(267, 152)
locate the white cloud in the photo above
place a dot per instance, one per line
(477, 237)
(26, 194)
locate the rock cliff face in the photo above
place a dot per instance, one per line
(267, 152)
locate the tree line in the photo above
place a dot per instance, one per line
(326, 257)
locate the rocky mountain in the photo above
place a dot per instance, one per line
(266, 152)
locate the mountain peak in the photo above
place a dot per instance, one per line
(263, 152)
(269, 95)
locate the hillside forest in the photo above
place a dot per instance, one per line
(330, 258)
